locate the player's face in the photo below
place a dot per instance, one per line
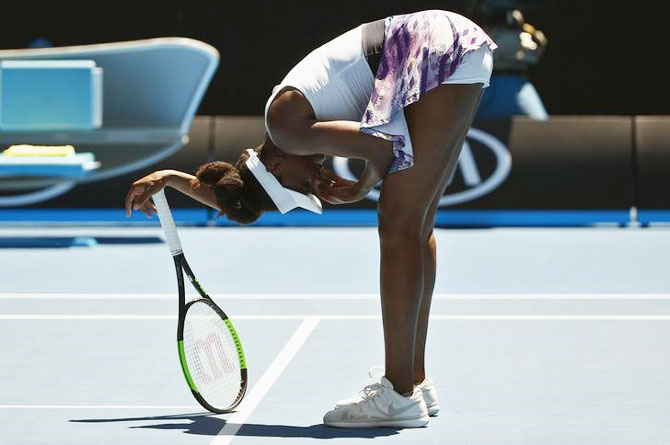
(299, 173)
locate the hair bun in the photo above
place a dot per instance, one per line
(212, 172)
(228, 186)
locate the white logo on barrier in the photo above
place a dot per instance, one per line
(467, 165)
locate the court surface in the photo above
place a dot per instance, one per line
(537, 336)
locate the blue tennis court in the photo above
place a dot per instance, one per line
(536, 335)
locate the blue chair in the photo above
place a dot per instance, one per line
(151, 91)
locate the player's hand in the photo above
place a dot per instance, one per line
(345, 195)
(329, 180)
(140, 193)
(336, 190)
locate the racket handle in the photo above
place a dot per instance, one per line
(169, 228)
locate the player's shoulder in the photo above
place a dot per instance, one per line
(288, 111)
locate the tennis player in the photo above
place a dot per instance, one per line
(399, 93)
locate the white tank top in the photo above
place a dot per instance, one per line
(335, 78)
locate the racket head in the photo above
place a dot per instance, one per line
(211, 356)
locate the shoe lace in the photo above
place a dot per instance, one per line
(370, 390)
(376, 372)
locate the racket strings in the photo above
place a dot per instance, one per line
(211, 355)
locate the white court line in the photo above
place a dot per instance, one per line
(317, 296)
(87, 317)
(100, 407)
(266, 381)
(346, 317)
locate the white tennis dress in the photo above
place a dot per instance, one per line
(337, 80)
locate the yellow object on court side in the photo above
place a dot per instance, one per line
(39, 150)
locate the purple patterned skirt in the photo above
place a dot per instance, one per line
(421, 51)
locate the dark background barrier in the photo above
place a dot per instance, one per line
(568, 162)
(652, 137)
(603, 57)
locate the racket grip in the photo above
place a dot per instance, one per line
(169, 228)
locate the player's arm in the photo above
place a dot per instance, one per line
(295, 130)
(339, 138)
(138, 197)
(334, 138)
(191, 186)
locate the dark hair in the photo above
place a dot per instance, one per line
(239, 195)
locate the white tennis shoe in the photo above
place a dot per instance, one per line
(429, 396)
(376, 373)
(381, 406)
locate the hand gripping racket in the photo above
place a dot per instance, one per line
(209, 349)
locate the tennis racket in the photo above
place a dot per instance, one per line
(210, 351)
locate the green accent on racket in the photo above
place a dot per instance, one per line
(184, 366)
(240, 352)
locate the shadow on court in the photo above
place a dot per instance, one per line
(207, 425)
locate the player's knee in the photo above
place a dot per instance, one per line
(400, 225)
